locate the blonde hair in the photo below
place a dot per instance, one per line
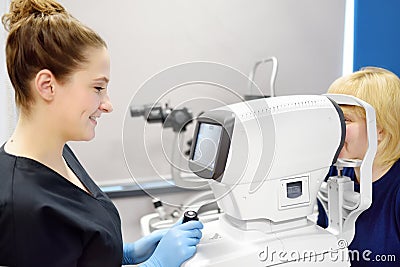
(43, 35)
(381, 89)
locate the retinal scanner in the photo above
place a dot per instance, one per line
(265, 161)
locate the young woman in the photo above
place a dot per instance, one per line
(377, 238)
(51, 212)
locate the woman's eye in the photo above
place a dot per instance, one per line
(99, 88)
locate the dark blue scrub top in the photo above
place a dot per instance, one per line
(45, 220)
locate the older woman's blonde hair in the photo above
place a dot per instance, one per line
(381, 89)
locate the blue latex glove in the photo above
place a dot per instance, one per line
(177, 245)
(143, 248)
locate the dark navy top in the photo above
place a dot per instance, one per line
(45, 220)
(377, 235)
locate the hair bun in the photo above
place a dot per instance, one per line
(22, 9)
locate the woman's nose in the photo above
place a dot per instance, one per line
(106, 105)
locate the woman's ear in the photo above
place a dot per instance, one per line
(380, 134)
(44, 84)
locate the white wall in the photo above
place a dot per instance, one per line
(7, 107)
(3, 92)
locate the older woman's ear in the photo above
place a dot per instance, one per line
(380, 134)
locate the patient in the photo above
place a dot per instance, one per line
(377, 237)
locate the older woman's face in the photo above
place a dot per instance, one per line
(356, 141)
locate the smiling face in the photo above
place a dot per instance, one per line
(84, 97)
(356, 141)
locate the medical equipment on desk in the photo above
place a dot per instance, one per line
(177, 119)
(265, 160)
(203, 202)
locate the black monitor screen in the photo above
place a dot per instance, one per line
(207, 144)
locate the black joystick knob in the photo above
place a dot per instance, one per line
(190, 215)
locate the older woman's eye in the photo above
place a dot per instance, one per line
(346, 119)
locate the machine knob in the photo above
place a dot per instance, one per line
(190, 215)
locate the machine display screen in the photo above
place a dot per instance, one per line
(207, 144)
(294, 189)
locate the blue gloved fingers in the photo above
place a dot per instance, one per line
(195, 233)
(192, 241)
(182, 240)
(189, 252)
(142, 249)
(190, 225)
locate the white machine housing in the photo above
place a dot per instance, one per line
(278, 146)
(266, 160)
